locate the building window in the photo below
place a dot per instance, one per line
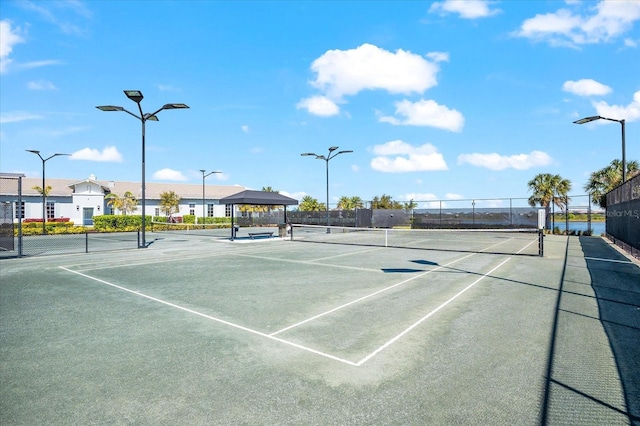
(209, 210)
(51, 210)
(192, 209)
(227, 210)
(20, 210)
(157, 212)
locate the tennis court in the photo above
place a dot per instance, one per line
(203, 330)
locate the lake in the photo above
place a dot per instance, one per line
(596, 227)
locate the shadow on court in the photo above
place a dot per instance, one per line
(594, 351)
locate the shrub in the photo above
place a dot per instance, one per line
(119, 223)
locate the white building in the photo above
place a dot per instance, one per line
(80, 200)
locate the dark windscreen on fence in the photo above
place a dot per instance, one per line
(623, 215)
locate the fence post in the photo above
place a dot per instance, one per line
(589, 214)
(86, 242)
(566, 214)
(20, 216)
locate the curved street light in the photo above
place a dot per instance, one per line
(44, 195)
(204, 176)
(136, 96)
(332, 154)
(598, 117)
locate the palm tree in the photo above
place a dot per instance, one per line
(410, 205)
(169, 203)
(126, 204)
(604, 180)
(47, 190)
(310, 204)
(385, 202)
(350, 203)
(549, 189)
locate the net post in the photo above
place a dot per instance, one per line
(86, 242)
(541, 242)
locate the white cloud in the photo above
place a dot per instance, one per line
(223, 177)
(41, 85)
(496, 161)
(586, 87)
(17, 116)
(319, 105)
(606, 21)
(169, 174)
(9, 37)
(110, 155)
(399, 157)
(168, 88)
(630, 112)
(245, 128)
(368, 67)
(452, 196)
(467, 9)
(426, 113)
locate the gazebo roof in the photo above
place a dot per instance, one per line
(259, 198)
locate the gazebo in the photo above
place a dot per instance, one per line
(257, 198)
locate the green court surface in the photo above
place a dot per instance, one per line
(203, 330)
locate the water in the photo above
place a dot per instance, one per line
(597, 228)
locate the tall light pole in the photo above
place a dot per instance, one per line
(597, 117)
(332, 154)
(44, 191)
(136, 96)
(204, 176)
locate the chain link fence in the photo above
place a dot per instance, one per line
(495, 213)
(21, 236)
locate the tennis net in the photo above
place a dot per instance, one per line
(525, 242)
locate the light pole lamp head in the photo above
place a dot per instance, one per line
(33, 151)
(309, 154)
(344, 152)
(587, 119)
(134, 95)
(332, 148)
(110, 108)
(175, 106)
(150, 117)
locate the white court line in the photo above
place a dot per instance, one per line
(345, 254)
(608, 260)
(307, 262)
(379, 291)
(289, 343)
(424, 318)
(230, 324)
(368, 296)
(153, 258)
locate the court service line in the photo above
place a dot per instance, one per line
(345, 254)
(154, 258)
(307, 262)
(209, 317)
(424, 318)
(353, 302)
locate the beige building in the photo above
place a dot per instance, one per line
(80, 200)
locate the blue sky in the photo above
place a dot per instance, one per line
(438, 100)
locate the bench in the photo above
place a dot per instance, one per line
(255, 234)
